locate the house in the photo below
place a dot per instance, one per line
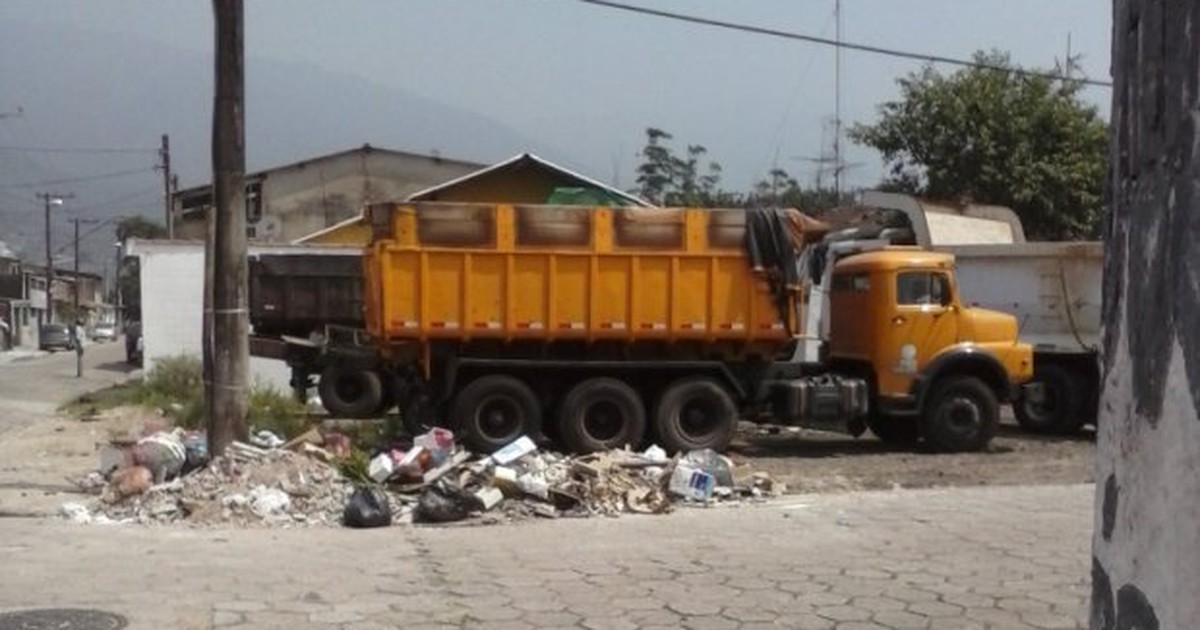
(23, 299)
(287, 202)
(524, 178)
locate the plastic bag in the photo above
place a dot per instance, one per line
(443, 503)
(367, 507)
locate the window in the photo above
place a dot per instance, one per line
(915, 288)
(852, 283)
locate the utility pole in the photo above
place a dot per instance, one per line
(228, 346)
(165, 155)
(837, 103)
(1145, 545)
(50, 199)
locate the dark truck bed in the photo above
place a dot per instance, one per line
(299, 294)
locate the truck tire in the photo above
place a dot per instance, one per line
(961, 415)
(695, 413)
(601, 414)
(1062, 410)
(494, 410)
(350, 392)
(899, 430)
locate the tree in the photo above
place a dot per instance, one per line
(665, 178)
(996, 136)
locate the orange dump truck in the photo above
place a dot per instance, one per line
(605, 327)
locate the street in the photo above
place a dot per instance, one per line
(969, 557)
(1012, 557)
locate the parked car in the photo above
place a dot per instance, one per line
(133, 344)
(54, 337)
(104, 332)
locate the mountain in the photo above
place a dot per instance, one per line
(81, 88)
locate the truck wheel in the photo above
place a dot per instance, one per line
(695, 413)
(494, 410)
(961, 415)
(600, 414)
(900, 430)
(1061, 409)
(350, 392)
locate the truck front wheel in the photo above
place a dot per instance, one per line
(351, 392)
(1060, 411)
(962, 415)
(494, 410)
(600, 414)
(695, 413)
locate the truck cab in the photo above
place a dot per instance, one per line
(937, 369)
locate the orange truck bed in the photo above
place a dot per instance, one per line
(454, 271)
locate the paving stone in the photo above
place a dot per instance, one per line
(700, 606)
(240, 606)
(935, 609)
(545, 619)
(222, 618)
(334, 616)
(748, 614)
(636, 603)
(709, 622)
(877, 604)
(1048, 620)
(608, 623)
(843, 613)
(899, 619)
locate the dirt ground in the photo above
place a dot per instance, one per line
(812, 461)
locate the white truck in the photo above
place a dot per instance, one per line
(1053, 288)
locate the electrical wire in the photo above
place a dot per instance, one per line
(879, 50)
(77, 150)
(76, 180)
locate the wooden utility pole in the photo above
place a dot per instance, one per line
(1146, 539)
(165, 155)
(227, 345)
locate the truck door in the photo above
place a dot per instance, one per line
(924, 321)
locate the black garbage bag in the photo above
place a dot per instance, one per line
(442, 502)
(367, 507)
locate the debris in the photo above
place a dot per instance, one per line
(691, 483)
(75, 512)
(163, 453)
(545, 511)
(115, 454)
(381, 467)
(443, 502)
(367, 507)
(131, 481)
(438, 442)
(489, 497)
(521, 447)
(243, 452)
(266, 439)
(656, 454)
(454, 462)
(266, 501)
(311, 437)
(713, 463)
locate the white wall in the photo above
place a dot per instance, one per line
(172, 275)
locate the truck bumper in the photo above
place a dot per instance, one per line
(1033, 392)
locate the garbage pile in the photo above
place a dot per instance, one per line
(166, 476)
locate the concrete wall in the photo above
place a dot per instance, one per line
(1146, 544)
(172, 276)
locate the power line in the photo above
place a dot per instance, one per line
(879, 50)
(80, 150)
(75, 180)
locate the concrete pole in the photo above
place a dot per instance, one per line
(228, 344)
(1146, 541)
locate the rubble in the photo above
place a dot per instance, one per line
(168, 479)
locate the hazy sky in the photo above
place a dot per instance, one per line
(587, 80)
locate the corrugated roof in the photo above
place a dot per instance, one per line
(539, 161)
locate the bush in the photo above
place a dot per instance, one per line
(176, 385)
(275, 411)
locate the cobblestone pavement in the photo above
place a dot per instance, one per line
(1010, 557)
